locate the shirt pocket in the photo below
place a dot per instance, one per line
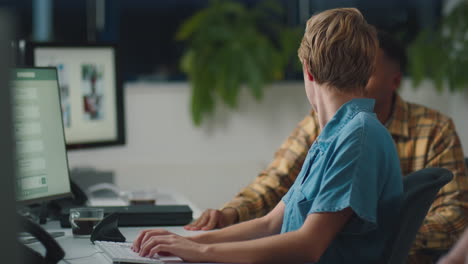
(310, 162)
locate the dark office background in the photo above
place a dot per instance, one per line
(145, 29)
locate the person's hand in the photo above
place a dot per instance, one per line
(448, 259)
(212, 218)
(145, 235)
(162, 242)
(458, 257)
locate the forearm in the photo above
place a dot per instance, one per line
(284, 248)
(256, 200)
(244, 231)
(306, 244)
(257, 228)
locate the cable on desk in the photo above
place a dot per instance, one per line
(66, 260)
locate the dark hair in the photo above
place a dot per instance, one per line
(392, 48)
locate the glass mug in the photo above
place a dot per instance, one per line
(83, 220)
(141, 197)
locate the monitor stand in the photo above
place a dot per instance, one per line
(40, 212)
(55, 207)
(43, 213)
(37, 213)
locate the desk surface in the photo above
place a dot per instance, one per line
(81, 250)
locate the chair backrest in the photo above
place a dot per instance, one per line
(420, 189)
(466, 161)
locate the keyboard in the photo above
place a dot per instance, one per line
(122, 252)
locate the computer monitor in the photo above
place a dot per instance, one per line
(41, 157)
(91, 91)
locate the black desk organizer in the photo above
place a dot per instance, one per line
(142, 215)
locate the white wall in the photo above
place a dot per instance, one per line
(211, 163)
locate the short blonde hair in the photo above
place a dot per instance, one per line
(339, 48)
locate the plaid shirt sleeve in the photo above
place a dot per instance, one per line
(447, 217)
(264, 193)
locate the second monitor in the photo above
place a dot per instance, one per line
(90, 89)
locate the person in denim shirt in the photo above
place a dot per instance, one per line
(353, 165)
(340, 208)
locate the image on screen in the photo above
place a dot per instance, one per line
(91, 93)
(42, 165)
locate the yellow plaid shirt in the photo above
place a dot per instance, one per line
(424, 138)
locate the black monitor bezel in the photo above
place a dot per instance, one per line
(60, 195)
(121, 135)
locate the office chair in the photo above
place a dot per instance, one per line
(419, 191)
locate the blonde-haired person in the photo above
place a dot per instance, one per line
(424, 138)
(342, 205)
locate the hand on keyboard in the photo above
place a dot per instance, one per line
(122, 252)
(159, 241)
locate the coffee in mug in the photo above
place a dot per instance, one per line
(142, 197)
(83, 220)
(84, 226)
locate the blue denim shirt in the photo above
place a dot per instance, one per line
(353, 163)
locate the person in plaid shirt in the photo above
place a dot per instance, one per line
(423, 137)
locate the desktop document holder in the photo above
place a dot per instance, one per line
(107, 230)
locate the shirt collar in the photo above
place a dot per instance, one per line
(398, 123)
(346, 112)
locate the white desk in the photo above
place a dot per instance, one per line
(82, 251)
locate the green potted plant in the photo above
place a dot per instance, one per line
(228, 48)
(442, 54)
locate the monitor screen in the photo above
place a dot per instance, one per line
(42, 165)
(91, 92)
